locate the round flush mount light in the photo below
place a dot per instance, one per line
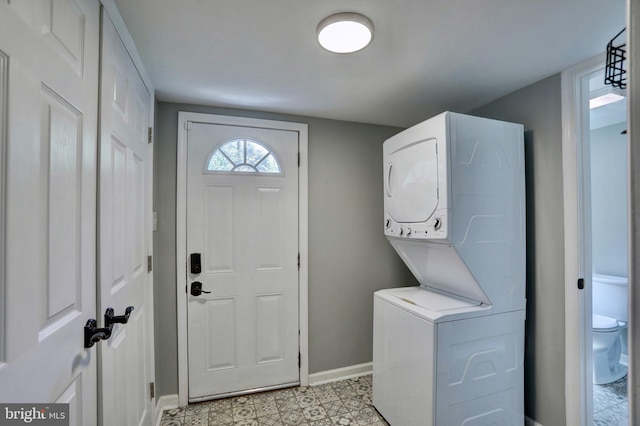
(345, 32)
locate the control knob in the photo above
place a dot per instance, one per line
(437, 223)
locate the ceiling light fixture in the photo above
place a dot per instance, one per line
(605, 96)
(345, 32)
(604, 100)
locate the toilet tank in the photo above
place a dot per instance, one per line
(610, 296)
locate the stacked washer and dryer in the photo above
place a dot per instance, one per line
(451, 351)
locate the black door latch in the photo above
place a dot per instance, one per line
(196, 289)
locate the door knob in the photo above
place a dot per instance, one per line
(196, 289)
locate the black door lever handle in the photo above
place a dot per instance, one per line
(196, 289)
(93, 334)
(110, 319)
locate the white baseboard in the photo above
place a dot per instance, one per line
(164, 403)
(340, 374)
(528, 421)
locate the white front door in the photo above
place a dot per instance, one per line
(48, 133)
(242, 225)
(124, 217)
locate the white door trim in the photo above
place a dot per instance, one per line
(181, 236)
(633, 129)
(577, 232)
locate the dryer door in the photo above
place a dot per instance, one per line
(411, 181)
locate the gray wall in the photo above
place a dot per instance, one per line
(609, 200)
(349, 258)
(538, 108)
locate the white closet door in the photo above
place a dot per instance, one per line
(48, 134)
(124, 215)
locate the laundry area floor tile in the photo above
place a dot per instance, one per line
(343, 403)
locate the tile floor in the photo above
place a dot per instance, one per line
(343, 403)
(610, 404)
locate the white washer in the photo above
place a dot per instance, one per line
(440, 360)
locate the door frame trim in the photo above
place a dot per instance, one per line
(181, 235)
(4, 115)
(577, 240)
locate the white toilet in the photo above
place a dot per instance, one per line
(609, 319)
(606, 350)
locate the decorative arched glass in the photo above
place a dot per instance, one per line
(243, 155)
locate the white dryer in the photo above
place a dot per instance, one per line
(451, 351)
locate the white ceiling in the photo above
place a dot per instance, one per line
(427, 56)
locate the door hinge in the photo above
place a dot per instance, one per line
(580, 283)
(149, 263)
(298, 159)
(299, 360)
(152, 390)
(187, 125)
(298, 260)
(150, 135)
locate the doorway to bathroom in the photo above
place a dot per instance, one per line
(608, 189)
(595, 221)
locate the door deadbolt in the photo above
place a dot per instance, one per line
(196, 263)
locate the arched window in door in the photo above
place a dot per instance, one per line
(243, 155)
